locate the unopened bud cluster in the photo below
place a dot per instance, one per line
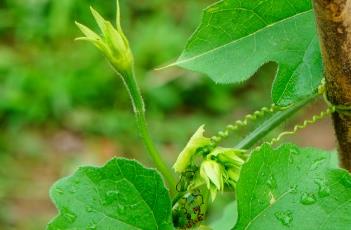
(216, 169)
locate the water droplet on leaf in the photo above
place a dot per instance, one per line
(284, 217)
(69, 216)
(89, 209)
(323, 188)
(110, 196)
(92, 226)
(59, 191)
(308, 198)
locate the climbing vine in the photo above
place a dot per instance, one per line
(234, 39)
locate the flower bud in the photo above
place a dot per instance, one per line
(113, 43)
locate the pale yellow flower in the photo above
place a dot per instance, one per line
(196, 141)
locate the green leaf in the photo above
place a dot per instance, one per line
(120, 195)
(236, 37)
(225, 221)
(293, 188)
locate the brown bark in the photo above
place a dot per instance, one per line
(334, 26)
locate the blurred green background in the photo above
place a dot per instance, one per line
(61, 106)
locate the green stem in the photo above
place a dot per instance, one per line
(271, 123)
(139, 111)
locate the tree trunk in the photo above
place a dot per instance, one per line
(334, 26)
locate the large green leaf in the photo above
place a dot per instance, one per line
(236, 37)
(120, 195)
(295, 188)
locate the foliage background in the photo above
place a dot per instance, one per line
(61, 106)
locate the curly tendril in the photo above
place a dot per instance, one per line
(298, 127)
(242, 123)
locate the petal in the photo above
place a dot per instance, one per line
(195, 142)
(213, 171)
(228, 155)
(114, 40)
(98, 43)
(234, 173)
(99, 20)
(87, 32)
(204, 176)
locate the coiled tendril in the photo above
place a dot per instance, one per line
(242, 123)
(301, 126)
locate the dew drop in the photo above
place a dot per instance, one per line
(69, 216)
(59, 191)
(89, 209)
(323, 188)
(92, 226)
(308, 198)
(110, 196)
(284, 217)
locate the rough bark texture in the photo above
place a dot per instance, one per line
(334, 26)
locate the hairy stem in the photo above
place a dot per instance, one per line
(139, 111)
(334, 26)
(271, 123)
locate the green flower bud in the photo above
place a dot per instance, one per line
(211, 172)
(196, 141)
(112, 43)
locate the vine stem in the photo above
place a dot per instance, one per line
(272, 122)
(130, 82)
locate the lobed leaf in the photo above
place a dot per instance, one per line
(120, 195)
(236, 37)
